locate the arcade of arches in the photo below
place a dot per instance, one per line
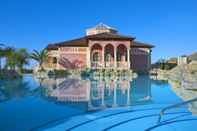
(110, 56)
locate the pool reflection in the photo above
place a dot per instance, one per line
(98, 94)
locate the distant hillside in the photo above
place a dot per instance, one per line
(193, 56)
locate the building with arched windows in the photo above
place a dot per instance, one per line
(101, 47)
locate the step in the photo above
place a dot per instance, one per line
(119, 118)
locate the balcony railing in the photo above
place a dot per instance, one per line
(120, 65)
(96, 65)
(109, 64)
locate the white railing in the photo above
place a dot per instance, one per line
(122, 64)
(109, 64)
(96, 65)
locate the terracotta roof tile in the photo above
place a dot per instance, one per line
(83, 41)
(137, 44)
(109, 36)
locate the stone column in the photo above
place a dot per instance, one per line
(88, 57)
(103, 56)
(57, 63)
(128, 57)
(115, 57)
(149, 59)
(58, 59)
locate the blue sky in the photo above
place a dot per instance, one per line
(171, 25)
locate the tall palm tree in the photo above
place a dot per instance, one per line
(22, 57)
(10, 55)
(40, 57)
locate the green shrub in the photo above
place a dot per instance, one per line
(86, 73)
(51, 73)
(193, 72)
(58, 73)
(168, 66)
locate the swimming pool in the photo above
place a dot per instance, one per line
(86, 104)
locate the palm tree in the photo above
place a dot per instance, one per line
(15, 58)
(22, 57)
(10, 55)
(40, 57)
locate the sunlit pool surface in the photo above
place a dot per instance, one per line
(87, 104)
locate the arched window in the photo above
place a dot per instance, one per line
(107, 57)
(109, 52)
(96, 52)
(121, 53)
(119, 56)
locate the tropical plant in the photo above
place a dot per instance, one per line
(15, 58)
(22, 57)
(40, 57)
(10, 55)
(85, 73)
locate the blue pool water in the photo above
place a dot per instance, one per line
(84, 104)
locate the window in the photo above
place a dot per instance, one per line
(122, 57)
(96, 56)
(118, 56)
(107, 56)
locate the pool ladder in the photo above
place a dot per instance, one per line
(174, 106)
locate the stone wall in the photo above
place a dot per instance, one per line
(67, 58)
(72, 58)
(80, 57)
(140, 59)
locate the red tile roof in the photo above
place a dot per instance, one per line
(137, 44)
(83, 42)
